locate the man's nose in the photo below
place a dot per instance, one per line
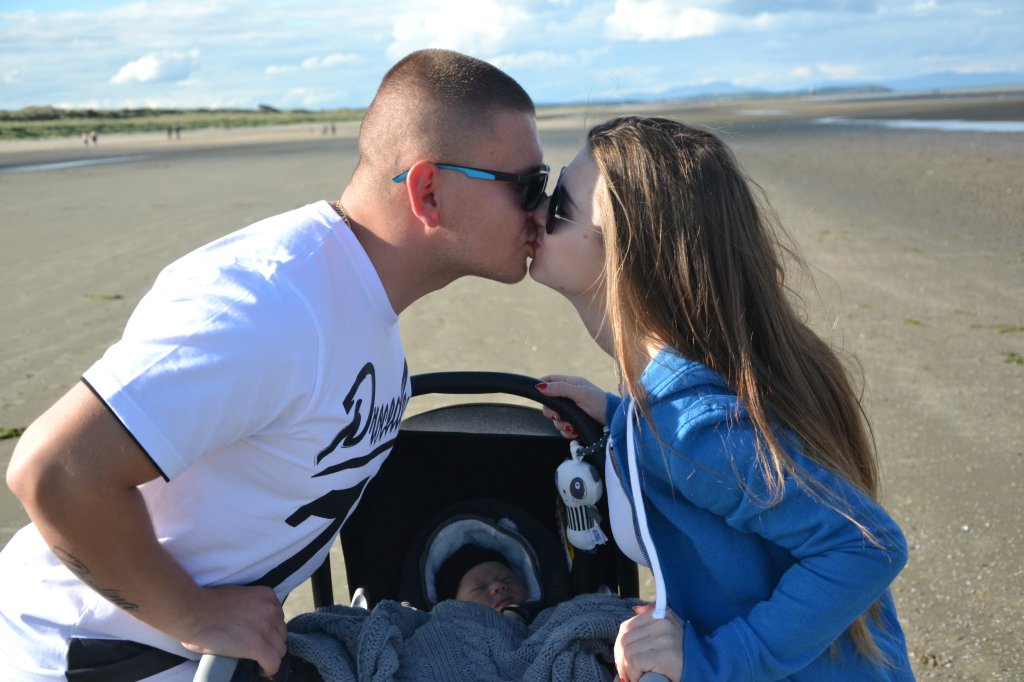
(539, 215)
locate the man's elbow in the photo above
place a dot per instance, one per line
(30, 473)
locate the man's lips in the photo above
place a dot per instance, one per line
(533, 246)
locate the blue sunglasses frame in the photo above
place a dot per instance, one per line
(532, 184)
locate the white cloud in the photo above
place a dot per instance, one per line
(969, 64)
(169, 10)
(558, 49)
(333, 60)
(985, 67)
(481, 28)
(314, 63)
(753, 7)
(646, 20)
(305, 97)
(618, 81)
(535, 59)
(160, 67)
(840, 71)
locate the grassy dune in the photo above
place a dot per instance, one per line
(41, 122)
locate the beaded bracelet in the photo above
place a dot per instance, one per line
(595, 448)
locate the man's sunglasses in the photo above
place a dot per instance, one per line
(531, 185)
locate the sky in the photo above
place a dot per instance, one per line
(113, 54)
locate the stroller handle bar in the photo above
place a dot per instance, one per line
(464, 383)
(215, 669)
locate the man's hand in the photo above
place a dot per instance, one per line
(586, 395)
(240, 622)
(77, 471)
(646, 644)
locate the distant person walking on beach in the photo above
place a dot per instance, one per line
(749, 481)
(203, 466)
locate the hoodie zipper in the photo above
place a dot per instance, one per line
(632, 515)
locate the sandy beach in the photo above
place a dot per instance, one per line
(915, 236)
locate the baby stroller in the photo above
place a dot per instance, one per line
(449, 456)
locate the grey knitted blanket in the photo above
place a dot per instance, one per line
(461, 641)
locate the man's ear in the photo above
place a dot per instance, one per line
(421, 184)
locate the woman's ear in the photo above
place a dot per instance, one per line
(421, 184)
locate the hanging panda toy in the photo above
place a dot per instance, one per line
(579, 485)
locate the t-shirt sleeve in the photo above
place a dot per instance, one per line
(207, 358)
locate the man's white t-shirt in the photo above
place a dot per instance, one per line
(264, 376)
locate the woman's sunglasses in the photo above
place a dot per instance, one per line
(530, 185)
(556, 214)
(554, 209)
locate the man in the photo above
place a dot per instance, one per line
(203, 466)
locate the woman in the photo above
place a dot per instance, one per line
(740, 445)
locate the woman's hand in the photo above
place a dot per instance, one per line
(645, 644)
(586, 395)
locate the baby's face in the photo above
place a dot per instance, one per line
(493, 584)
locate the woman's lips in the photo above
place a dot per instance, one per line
(536, 243)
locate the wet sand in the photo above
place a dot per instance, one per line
(915, 238)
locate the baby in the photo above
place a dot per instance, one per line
(474, 573)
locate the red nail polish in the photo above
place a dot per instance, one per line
(541, 387)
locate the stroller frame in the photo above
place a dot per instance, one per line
(500, 451)
(494, 451)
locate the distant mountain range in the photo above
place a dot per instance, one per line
(930, 81)
(957, 81)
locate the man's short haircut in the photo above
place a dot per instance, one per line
(431, 104)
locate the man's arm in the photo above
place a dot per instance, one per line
(76, 470)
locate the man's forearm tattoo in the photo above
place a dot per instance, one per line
(75, 565)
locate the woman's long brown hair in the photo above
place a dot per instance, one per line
(694, 262)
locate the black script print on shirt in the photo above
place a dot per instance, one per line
(380, 424)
